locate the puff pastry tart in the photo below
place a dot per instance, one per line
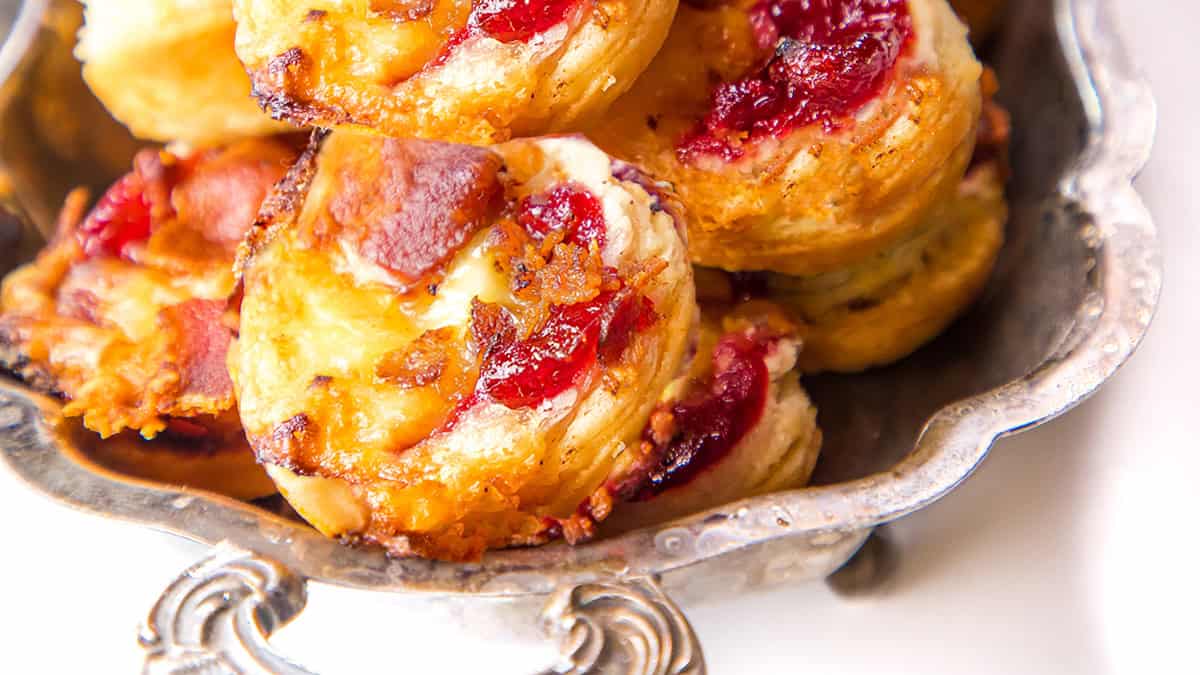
(168, 71)
(473, 71)
(447, 348)
(124, 315)
(803, 135)
(735, 425)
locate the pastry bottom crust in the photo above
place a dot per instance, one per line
(951, 272)
(882, 310)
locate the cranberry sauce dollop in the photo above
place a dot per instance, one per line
(119, 219)
(518, 20)
(508, 21)
(827, 59)
(569, 208)
(710, 421)
(523, 372)
(134, 206)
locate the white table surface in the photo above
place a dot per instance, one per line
(1072, 550)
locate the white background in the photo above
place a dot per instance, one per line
(1073, 550)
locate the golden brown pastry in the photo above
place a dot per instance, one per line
(735, 425)
(125, 314)
(446, 348)
(168, 71)
(884, 308)
(472, 71)
(803, 136)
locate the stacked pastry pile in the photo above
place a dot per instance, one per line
(534, 269)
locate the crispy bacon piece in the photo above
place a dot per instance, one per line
(201, 340)
(424, 204)
(124, 314)
(132, 207)
(995, 129)
(223, 195)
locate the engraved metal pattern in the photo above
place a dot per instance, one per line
(1074, 294)
(216, 617)
(630, 627)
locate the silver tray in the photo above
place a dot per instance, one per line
(1071, 299)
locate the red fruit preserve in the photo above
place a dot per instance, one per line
(569, 208)
(710, 423)
(120, 218)
(828, 58)
(518, 20)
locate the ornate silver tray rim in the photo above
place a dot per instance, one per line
(218, 614)
(1121, 116)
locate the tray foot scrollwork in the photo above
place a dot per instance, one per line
(215, 617)
(621, 627)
